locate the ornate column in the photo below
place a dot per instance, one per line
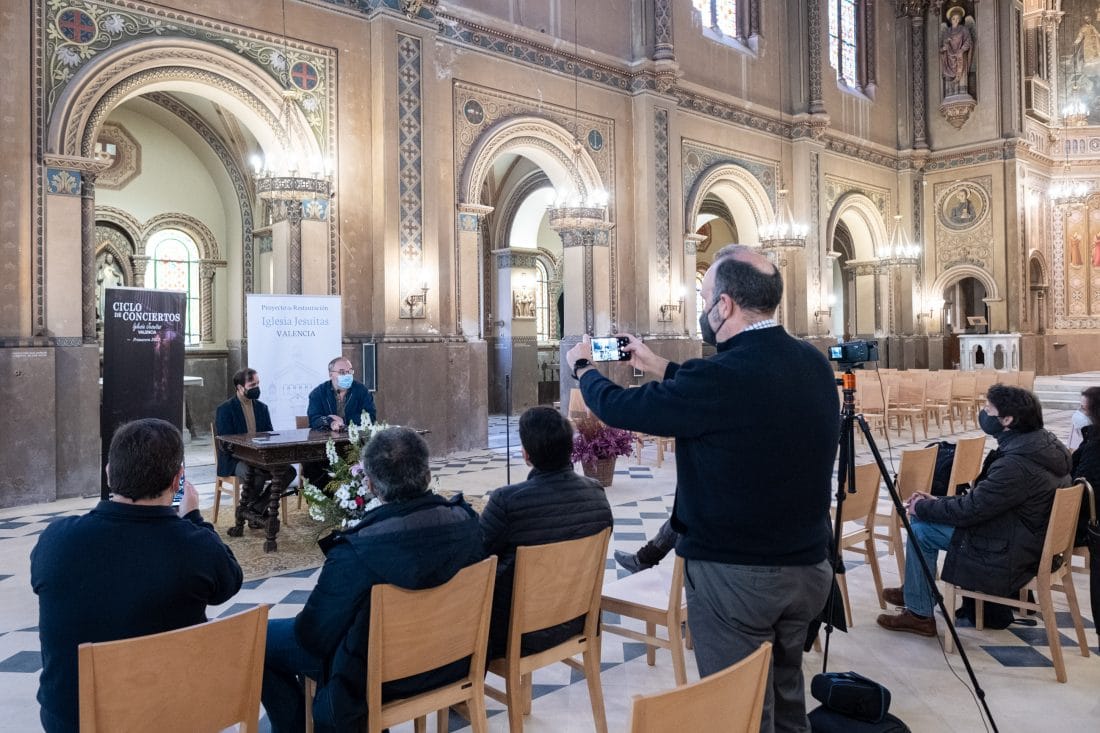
(916, 10)
(469, 288)
(1050, 20)
(691, 262)
(87, 258)
(206, 301)
(662, 26)
(515, 352)
(815, 31)
(294, 247)
(583, 230)
(140, 264)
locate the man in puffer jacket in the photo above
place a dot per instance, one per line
(994, 533)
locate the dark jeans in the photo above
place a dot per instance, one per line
(283, 692)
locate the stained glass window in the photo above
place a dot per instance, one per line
(720, 15)
(843, 41)
(175, 266)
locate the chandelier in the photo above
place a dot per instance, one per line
(286, 176)
(899, 251)
(782, 232)
(1075, 113)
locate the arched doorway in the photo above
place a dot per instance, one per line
(856, 233)
(1038, 286)
(966, 291)
(530, 213)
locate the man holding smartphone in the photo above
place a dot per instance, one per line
(752, 509)
(130, 567)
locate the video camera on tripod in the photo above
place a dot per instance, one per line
(853, 354)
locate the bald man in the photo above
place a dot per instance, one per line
(756, 428)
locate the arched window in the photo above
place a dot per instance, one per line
(851, 34)
(542, 302)
(730, 21)
(174, 265)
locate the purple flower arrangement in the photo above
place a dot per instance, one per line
(595, 440)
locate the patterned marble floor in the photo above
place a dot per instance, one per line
(928, 686)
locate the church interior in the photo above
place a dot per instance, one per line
(484, 182)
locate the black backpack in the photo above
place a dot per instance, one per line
(945, 457)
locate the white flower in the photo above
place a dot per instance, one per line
(310, 104)
(342, 494)
(113, 23)
(330, 452)
(68, 56)
(353, 433)
(316, 513)
(278, 61)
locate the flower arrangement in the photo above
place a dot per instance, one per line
(595, 440)
(345, 498)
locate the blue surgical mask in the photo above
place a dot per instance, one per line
(344, 381)
(990, 424)
(1080, 420)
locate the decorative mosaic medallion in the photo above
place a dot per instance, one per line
(595, 140)
(473, 112)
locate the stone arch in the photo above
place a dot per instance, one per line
(1035, 259)
(532, 182)
(954, 274)
(111, 245)
(567, 164)
(863, 221)
(747, 200)
(204, 238)
(159, 64)
(121, 219)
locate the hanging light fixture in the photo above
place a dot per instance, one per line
(899, 251)
(1075, 113)
(782, 232)
(285, 176)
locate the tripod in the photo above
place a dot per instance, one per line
(846, 479)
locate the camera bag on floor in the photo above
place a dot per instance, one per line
(824, 720)
(851, 703)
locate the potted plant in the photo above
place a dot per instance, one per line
(596, 445)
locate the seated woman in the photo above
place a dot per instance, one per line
(994, 533)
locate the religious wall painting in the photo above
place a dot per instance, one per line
(1081, 258)
(963, 208)
(964, 225)
(1079, 52)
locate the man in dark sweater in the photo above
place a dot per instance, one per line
(244, 413)
(554, 504)
(132, 566)
(756, 428)
(415, 540)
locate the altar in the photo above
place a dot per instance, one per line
(989, 351)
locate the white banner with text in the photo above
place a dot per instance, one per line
(291, 340)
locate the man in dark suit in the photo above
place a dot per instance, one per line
(332, 405)
(244, 413)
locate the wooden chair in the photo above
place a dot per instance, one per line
(200, 678)
(874, 401)
(415, 631)
(1012, 379)
(1088, 499)
(860, 507)
(983, 380)
(915, 474)
(1059, 542)
(937, 402)
(223, 484)
(656, 596)
(1027, 380)
(661, 443)
(967, 464)
(232, 484)
(910, 406)
(731, 700)
(577, 406)
(962, 397)
(554, 583)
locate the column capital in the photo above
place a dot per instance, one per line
(915, 9)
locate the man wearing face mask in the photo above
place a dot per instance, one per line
(332, 405)
(994, 533)
(244, 413)
(756, 428)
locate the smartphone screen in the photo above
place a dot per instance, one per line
(610, 348)
(178, 498)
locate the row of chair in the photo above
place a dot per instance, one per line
(859, 513)
(207, 677)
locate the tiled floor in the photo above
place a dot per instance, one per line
(929, 688)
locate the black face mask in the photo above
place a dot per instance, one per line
(710, 336)
(989, 424)
(252, 393)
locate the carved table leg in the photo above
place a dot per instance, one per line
(278, 486)
(243, 504)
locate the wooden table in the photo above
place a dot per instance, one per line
(272, 451)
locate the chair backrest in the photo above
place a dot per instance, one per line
(916, 471)
(860, 506)
(200, 678)
(967, 463)
(939, 389)
(577, 406)
(1010, 378)
(557, 582)
(734, 696)
(963, 386)
(217, 446)
(871, 396)
(1027, 380)
(413, 631)
(1062, 527)
(983, 380)
(301, 422)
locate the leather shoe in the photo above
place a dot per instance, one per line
(908, 622)
(894, 596)
(630, 561)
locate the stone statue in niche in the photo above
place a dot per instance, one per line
(523, 303)
(956, 51)
(108, 275)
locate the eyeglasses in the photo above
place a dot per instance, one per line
(342, 372)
